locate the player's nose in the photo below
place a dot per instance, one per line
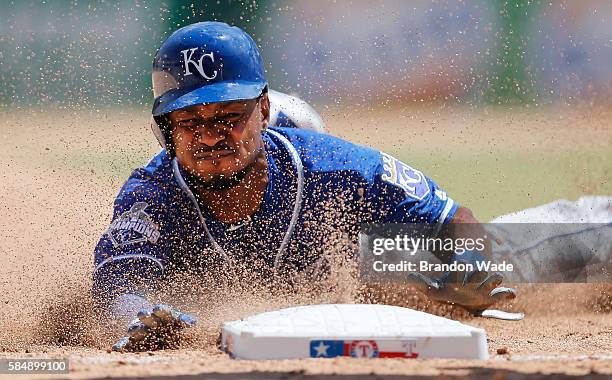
(210, 136)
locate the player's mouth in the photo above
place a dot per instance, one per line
(207, 154)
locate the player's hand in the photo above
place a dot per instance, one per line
(155, 329)
(474, 290)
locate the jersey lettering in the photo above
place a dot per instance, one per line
(133, 226)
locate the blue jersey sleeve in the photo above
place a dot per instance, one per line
(133, 252)
(396, 192)
(409, 196)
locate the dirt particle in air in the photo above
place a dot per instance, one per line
(502, 351)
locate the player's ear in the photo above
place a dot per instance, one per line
(264, 106)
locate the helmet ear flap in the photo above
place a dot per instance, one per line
(161, 129)
(159, 135)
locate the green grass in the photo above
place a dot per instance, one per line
(117, 164)
(496, 184)
(491, 184)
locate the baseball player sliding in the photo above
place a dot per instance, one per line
(240, 188)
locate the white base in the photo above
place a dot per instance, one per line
(351, 330)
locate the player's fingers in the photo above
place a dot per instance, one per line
(187, 320)
(491, 282)
(163, 312)
(475, 277)
(137, 331)
(455, 277)
(147, 319)
(424, 281)
(121, 345)
(502, 293)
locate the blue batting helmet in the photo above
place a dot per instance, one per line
(206, 62)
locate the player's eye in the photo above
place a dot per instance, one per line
(232, 116)
(188, 123)
(229, 119)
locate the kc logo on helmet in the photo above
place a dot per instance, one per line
(199, 63)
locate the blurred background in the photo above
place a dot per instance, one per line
(504, 102)
(70, 53)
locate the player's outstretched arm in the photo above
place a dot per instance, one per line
(475, 290)
(120, 288)
(414, 198)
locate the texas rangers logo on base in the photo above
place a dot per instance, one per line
(410, 349)
(133, 226)
(364, 349)
(405, 349)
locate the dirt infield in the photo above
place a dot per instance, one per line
(62, 169)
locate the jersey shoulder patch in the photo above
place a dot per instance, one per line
(397, 173)
(133, 226)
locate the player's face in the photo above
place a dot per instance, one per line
(219, 140)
